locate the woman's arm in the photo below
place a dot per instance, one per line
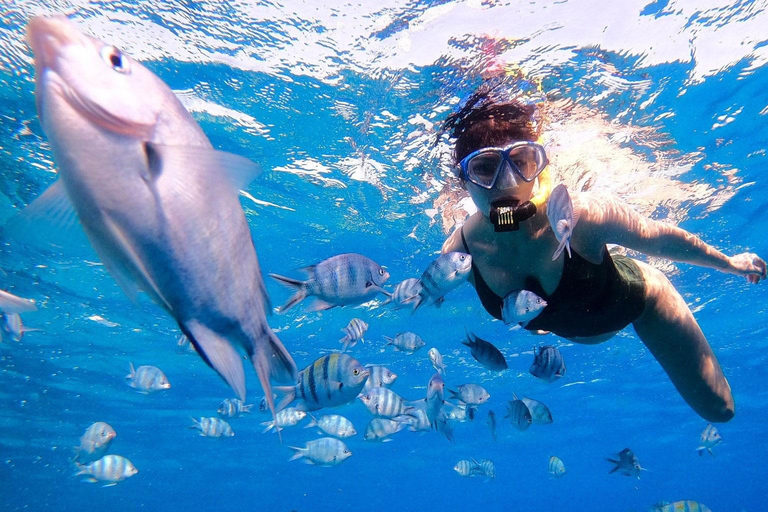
(605, 220)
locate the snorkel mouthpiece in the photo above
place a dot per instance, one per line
(507, 214)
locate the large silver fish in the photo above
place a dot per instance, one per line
(521, 306)
(444, 274)
(110, 468)
(158, 204)
(342, 280)
(562, 218)
(326, 451)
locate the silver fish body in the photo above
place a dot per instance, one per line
(333, 425)
(156, 201)
(486, 468)
(384, 403)
(460, 412)
(470, 394)
(286, 418)
(407, 342)
(417, 417)
(95, 441)
(562, 218)
(434, 399)
(405, 292)
(521, 306)
(147, 378)
(626, 464)
(486, 353)
(682, 506)
(110, 468)
(444, 274)
(332, 380)
(436, 358)
(519, 415)
(466, 468)
(212, 427)
(10, 303)
(380, 377)
(326, 451)
(710, 438)
(342, 280)
(548, 364)
(540, 413)
(380, 429)
(353, 333)
(556, 467)
(233, 408)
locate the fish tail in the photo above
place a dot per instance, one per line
(246, 408)
(301, 291)
(271, 360)
(390, 341)
(417, 300)
(289, 395)
(79, 469)
(133, 371)
(298, 454)
(312, 421)
(269, 424)
(195, 423)
(453, 393)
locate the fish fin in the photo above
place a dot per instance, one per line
(133, 371)
(90, 480)
(246, 408)
(453, 393)
(111, 484)
(319, 305)
(417, 302)
(196, 423)
(271, 360)
(289, 395)
(309, 269)
(297, 297)
(710, 452)
(613, 470)
(471, 413)
(379, 289)
(11, 304)
(312, 421)
(218, 353)
(50, 221)
(563, 244)
(269, 424)
(298, 454)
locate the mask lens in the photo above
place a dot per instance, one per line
(529, 161)
(483, 167)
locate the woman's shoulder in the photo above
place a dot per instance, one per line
(454, 242)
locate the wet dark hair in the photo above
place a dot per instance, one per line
(485, 121)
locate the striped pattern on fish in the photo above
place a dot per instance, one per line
(95, 441)
(333, 425)
(548, 364)
(147, 378)
(380, 377)
(682, 506)
(540, 413)
(380, 429)
(233, 408)
(405, 292)
(212, 427)
(385, 403)
(407, 342)
(110, 468)
(285, 418)
(556, 467)
(485, 353)
(326, 451)
(442, 275)
(518, 414)
(332, 380)
(352, 333)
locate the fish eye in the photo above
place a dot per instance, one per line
(381, 271)
(115, 59)
(462, 258)
(356, 371)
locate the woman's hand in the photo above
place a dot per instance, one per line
(749, 265)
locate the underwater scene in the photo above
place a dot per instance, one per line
(335, 256)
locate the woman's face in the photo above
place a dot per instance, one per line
(509, 186)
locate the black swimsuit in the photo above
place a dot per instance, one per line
(591, 299)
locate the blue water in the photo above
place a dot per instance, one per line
(662, 103)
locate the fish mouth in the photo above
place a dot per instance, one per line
(46, 36)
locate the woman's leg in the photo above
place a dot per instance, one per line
(670, 332)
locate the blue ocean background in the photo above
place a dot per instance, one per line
(662, 103)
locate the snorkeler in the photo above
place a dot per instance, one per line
(592, 294)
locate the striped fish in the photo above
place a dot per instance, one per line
(441, 276)
(466, 468)
(556, 467)
(95, 441)
(681, 506)
(710, 438)
(341, 280)
(417, 417)
(286, 418)
(486, 468)
(407, 342)
(562, 218)
(539, 412)
(548, 364)
(518, 414)
(384, 403)
(352, 333)
(437, 360)
(326, 451)
(379, 429)
(233, 408)
(110, 468)
(460, 412)
(521, 306)
(405, 292)
(380, 377)
(332, 380)
(333, 425)
(147, 378)
(470, 394)
(485, 353)
(212, 427)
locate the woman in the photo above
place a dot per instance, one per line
(591, 294)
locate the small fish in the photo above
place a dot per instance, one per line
(437, 360)
(548, 364)
(286, 418)
(562, 218)
(486, 468)
(407, 342)
(10, 303)
(147, 378)
(466, 468)
(384, 403)
(710, 438)
(264, 404)
(417, 417)
(521, 306)
(352, 333)
(342, 280)
(332, 380)
(492, 423)
(627, 465)
(233, 408)
(95, 441)
(485, 353)
(13, 328)
(184, 343)
(518, 414)
(460, 412)
(333, 425)
(539, 412)
(470, 394)
(556, 467)
(326, 451)
(212, 427)
(110, 468)
(434, 400)
(405, 292)
(380, 377)
(441, 276)
(681, 506)
(380, 429)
